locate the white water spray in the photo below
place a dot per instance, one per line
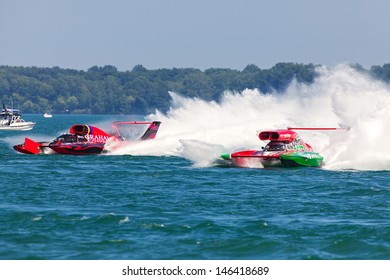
(200, 131)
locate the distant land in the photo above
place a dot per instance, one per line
(105, 90)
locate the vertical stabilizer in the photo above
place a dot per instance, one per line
(31, 146)
(151, 132)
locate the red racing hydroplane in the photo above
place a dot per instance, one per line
(84, 139)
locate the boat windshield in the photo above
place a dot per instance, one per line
(67, 138)
(275, 146)
(71, 138)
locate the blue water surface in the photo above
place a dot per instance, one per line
(144, 207)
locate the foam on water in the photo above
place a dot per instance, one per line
(341, 96)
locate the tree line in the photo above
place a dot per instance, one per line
(105, 90)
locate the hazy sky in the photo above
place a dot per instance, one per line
(202, 34)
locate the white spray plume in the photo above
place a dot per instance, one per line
(341, 96)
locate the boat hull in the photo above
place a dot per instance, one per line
(255, 159)
(31, 147)
(22, 126)
(255, 162)
(309, 159)
(252, 159)
(78, 149)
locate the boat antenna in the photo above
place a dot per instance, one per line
(319, 128)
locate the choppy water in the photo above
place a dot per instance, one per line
(162, 207)
(164, 199)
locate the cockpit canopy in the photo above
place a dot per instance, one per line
(71, 138)
(275, 146)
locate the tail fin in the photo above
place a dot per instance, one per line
(151, 132)
(29, 147)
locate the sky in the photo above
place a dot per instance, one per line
(202, 34)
